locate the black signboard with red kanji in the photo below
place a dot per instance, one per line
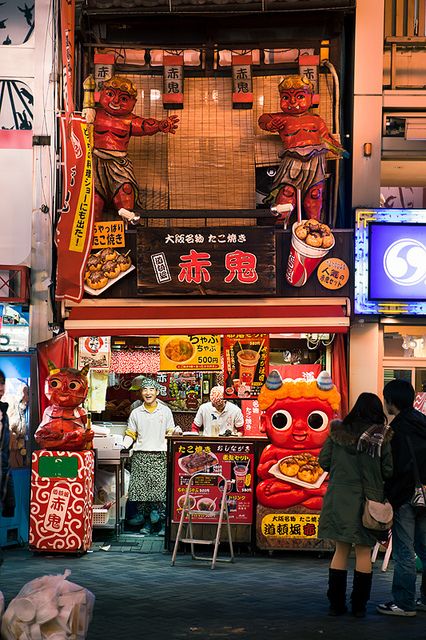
(214, 260)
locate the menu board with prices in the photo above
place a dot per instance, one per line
(233, 460)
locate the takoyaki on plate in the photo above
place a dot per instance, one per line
(104, 268)
(301, 469)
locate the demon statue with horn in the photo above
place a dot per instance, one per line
(64, 426)
(295, 416)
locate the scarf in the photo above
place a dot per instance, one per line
(371, 440)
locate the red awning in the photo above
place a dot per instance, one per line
(160, 317)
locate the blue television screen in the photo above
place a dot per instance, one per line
(397, 261)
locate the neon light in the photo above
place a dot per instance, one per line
(362, 304)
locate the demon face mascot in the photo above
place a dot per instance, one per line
(296, 417)
(64, 426)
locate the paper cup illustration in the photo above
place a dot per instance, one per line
(247, 363)
(310, 243)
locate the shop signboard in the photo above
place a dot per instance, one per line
(190, 353)
(94, 351)
(234, 460)
(390, 260)
(245, 363)
(210, 261)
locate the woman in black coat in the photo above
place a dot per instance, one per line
(358, 456)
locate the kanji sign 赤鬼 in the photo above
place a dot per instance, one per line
(225, 260)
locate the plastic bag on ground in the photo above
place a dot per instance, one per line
(49, 608)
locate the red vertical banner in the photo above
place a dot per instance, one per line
(75, 226)
(246, 359)
(67, 37)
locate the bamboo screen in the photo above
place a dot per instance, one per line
(210, 162)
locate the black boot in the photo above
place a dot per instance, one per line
(336, 592)
(360, 593)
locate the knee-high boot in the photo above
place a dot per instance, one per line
(360, 593)
(336, 592)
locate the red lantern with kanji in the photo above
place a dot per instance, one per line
(242, 84)
(173, 82)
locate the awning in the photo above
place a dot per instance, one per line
(159, 317)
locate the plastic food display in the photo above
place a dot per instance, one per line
(104, 268)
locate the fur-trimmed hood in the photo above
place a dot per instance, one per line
(348, 435)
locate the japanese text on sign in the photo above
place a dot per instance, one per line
(290, 525)
(108, 234)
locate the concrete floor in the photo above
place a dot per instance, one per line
(140, 595)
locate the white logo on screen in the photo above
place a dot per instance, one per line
(404, 262)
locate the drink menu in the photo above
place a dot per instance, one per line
(234, 460)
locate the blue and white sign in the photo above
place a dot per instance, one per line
(397, 257)
(390, 262)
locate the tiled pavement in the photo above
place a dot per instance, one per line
(140, 595)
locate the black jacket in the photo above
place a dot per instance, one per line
(400, 487)
(7, 498)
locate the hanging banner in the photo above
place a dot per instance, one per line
(242, 84)
(67, 37)
(190, 353)
(75, 226)
(246, 358)
(104, 70)
(173, 82)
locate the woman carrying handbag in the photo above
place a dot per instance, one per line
(358, 456)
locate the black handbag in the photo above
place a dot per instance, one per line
(418, 499)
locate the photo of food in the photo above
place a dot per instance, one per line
(179, 349)
(302, 469)
(105, 267)
(181, 501)
(206, 504)
(197, 462)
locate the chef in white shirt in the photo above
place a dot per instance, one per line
(219, 416)
(146, 435)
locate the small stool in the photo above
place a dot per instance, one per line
(222, 514)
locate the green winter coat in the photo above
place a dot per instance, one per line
(353, 475)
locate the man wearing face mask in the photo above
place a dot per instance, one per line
(219, 417)
(146, 435)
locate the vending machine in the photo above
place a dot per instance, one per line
(62, 485)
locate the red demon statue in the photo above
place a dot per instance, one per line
(114, 124)
(306, 141)
(295, 415)
(64, 426)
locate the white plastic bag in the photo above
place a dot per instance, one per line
(49, 608)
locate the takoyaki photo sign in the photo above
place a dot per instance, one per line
(206, 261)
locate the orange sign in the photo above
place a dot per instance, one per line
(108, 234)
(333, 273)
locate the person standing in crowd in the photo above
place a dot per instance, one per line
(218, 417)
(7, 498)
(358, 455)
(409, 524)
(146, 433)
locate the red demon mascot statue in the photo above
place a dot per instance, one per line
(296, 417)
(64, 426)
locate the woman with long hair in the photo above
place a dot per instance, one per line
(358, 456)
